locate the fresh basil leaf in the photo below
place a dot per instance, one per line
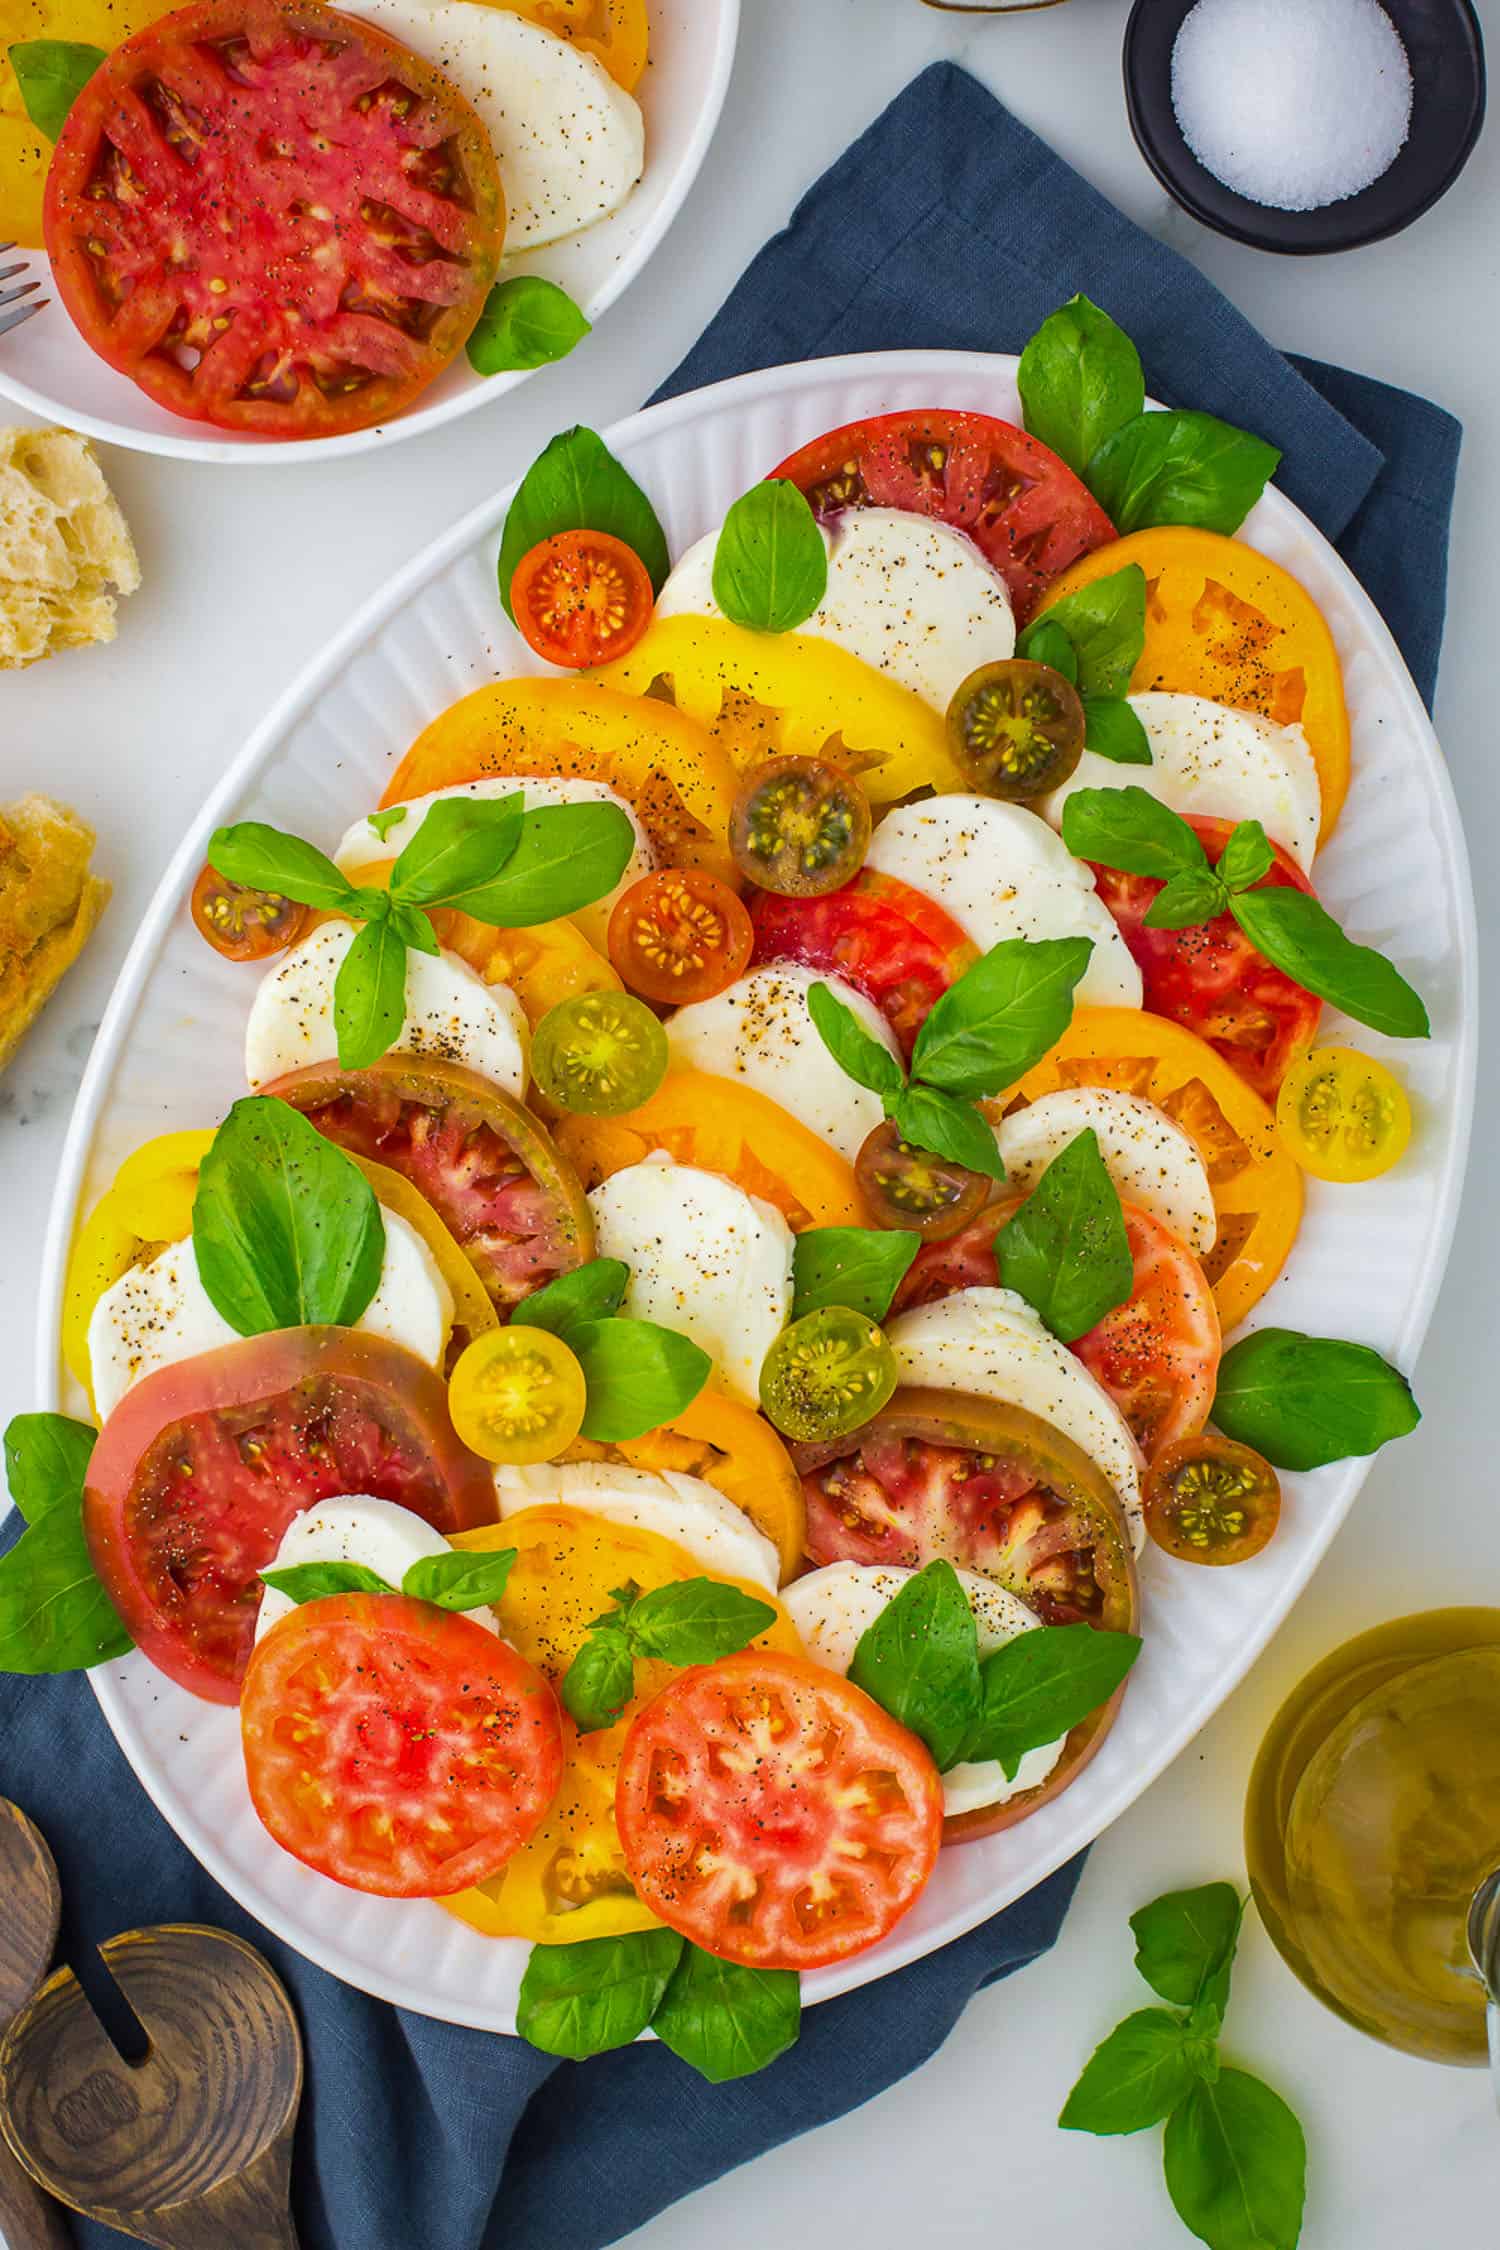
(315, 1581)
(47, 1457)
(1304, 1401)
(411, 926)
(727, 2021)
(50, 76)
(946, 1126)
(384, 822)
(463, 843)
(369, 994)
(54, 1614)
(1135, 2078)
(1105, 622)
(1185, 1945)
(267, 859)
(920, 1661)
(1066, 1250)
(592, 1292)
(1246, 857)
(1002, 1014)
(568, 856)
(1188, 899)
(861, 1267)
(600, 1680)
(1041, 1685)
(1180, 468)
(1080, 380)
(637, 1374)
(526, 322)
(578, 485)
(696, 1621)
(770, 564)
(460, 1581)
(1131, 829)
(1303, 940)
(287, 1231)
(583, 1999)
(1112, 729)
(1047, 643)
(859, 1055)
(1235, 2162)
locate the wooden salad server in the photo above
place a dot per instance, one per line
(190, 2147)
(29, 2220)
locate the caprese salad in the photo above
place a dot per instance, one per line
(652, 1403)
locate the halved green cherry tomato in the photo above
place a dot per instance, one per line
(1209, 1500)
(914, 1189)
(1016, 729)
(679, 935)
(242, 923)
(517, 1395)
(599, 1054)
(581, 598)
(1342, 1115)
(799, 827)
(826, 1375)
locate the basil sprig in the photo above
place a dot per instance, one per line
(636, 1373)
(1094, 637)
(724, 2020)
(576, 484)
(1233, 2155)
(1083, 394)
(50, 76)
(770, 564)
(1066, 1250)
(861, 1267)
(526, 322)
(1304, 1401)
(287, 1231)
(456, 1582)
(1132, 830)
(484, 856)
(695, 1621)
(54, 1614)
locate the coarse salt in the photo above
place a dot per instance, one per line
(1293, 103)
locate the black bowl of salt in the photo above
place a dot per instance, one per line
(1305, 125)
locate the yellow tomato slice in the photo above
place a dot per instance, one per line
(473, 1314)
(769, 695)
(616, 31)
(1224, 621)
(1257, 1189)
(1342, 1115)
(570, 1881)
(25, 153)
(548, 962)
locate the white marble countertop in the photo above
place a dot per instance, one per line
(247, 574)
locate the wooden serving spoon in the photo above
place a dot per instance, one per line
(29, 2220)
(191, 2147)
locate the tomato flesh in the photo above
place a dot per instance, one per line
(581, 598)
(897, 947)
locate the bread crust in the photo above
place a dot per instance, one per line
(49, 905)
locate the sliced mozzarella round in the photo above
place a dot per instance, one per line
(364, 845)
(569, 142)
(1001, 873)
(704, 1257)
(914, 598)
(356, 1528)
(160, 1313)
(1211, 762)
(1151, 1160)
(990, 1343)
(452, 1015)
(833, 1608)
(693, 1514)
(759, 1031)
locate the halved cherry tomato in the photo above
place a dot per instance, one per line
(1023, 508)
(397, 1747)
(491, 1172)
(1211, 977)
(892, 943)
(827, 1374)
(799, 828)
(242, 923)
(1342, 1115)
(517, 1395)
(679, 935)
(616, 31)
(1016, 729)
(581, 597)
(913, 1189)
(1209, 1500)
(202, 1466)
(600, 1054)
(774, 1814)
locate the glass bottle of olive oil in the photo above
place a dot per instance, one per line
(1373, 1815)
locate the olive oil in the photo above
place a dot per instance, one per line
(1373, 1814)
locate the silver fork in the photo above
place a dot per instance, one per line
(12, 310)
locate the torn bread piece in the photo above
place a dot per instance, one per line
(65, 548)
(49, 902)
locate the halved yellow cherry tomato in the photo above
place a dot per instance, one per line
(1343, 1115)
(600, 1054)
(517, 1395)
(827, 1374)
(616, 31)
(799, 827)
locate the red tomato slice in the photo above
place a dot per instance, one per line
(1022, 507)
(273, 217)
(396, 1747)
(774, 1814)
(892, 943)
(202, 1466)
(1212, 978)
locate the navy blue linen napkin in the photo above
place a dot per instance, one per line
(948, 224)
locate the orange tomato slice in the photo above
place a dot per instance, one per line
(616, 31)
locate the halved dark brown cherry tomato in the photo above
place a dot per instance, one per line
(799, 827)
(1016, 729)
(241, 923)
(679, 935)
(913, 1189)
(581, 598)
(1209, 1500)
